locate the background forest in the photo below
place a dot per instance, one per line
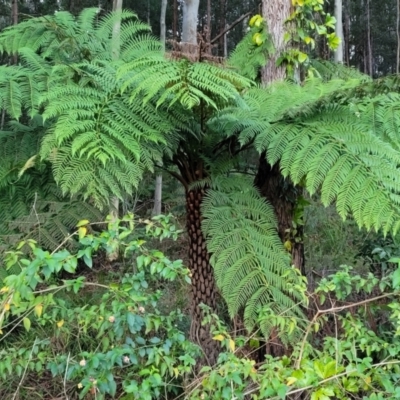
(199, 199)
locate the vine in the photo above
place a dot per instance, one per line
(303, 29)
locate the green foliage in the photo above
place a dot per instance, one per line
(31, 204)
(94, 145)
(253, 50)
(110, 120)
(251, 267)
(328, 70)
(324, 146)
(115, 338)
(358, 361)
(180, 81)
(307, 22)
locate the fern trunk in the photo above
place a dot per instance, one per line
(283, 196)
(203, 283)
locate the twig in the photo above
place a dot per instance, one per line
(65, 378)
(333, 310)
(24, 374)
(232, 25)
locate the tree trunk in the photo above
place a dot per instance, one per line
(347, 32)
(203, 283)
(222, 25)
(369, 51)
(339, 31)
(114, 209)
(14, 17)
(158, 183)
(117, 7)
(189, 24)
(15, 12)
(282, 195)
(157, 208)
(208, 32)
(275, 14)
(398, 35)
(175, 21)
(162, 22)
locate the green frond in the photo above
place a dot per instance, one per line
(247, 58)
(183, 81)
(349, 150)
(247, 255)
(328, 70)
(101, 142)
(31, 204)
(352, 166)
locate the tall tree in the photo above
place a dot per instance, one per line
(189, 23)
(116, 46)
(158, 183)
(339, 30)
(275, 14)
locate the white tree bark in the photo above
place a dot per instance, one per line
(162, 22)
(114, 211)
(117, 7)
(189, 23)
(398, 36)
(158, 196)
(158, 184)
(339, 31)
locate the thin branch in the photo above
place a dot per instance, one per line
(65, 378)
(25, 370)
(331, 378)
(334, 310)
(231, 26)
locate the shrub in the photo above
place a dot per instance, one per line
(93, 337)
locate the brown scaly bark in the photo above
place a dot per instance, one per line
(282, 195)
(203, 283)
(203, 289)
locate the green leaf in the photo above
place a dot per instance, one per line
(302, 57)
(27, 324)
(82, 222)
(396, 278)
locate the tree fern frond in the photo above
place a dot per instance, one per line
(180, 80)
(247, 254)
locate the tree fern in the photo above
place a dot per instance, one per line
(101, 141)
(180, 81)
(325, 147)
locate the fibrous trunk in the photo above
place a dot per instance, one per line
(203, 283)
(282, 195)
